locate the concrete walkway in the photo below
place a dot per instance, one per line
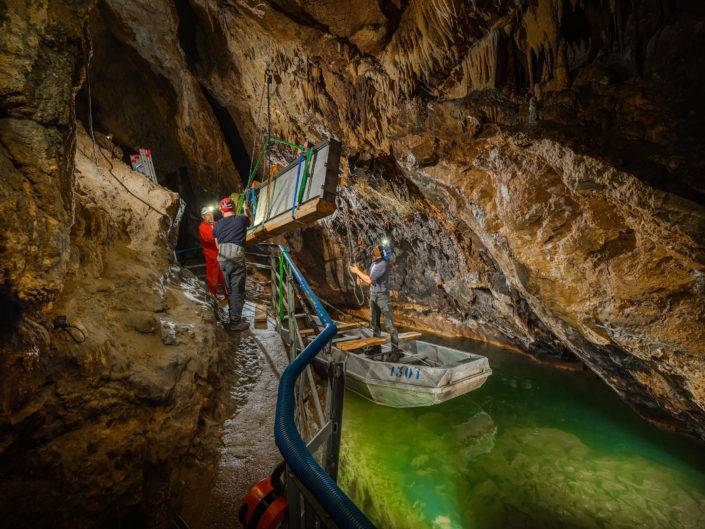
(248, 453)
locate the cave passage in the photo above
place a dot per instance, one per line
(238, 151)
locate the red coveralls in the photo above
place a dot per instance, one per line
(210, 252)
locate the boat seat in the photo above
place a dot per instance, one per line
(341, 328)
(348, 345)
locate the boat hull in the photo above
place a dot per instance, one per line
(402, 384)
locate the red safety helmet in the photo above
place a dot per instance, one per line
(227, 205)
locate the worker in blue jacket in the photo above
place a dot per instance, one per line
(380, 303)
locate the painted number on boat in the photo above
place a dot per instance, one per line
(404, 372)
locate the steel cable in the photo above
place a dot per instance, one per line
(254, 138)
(360, 297)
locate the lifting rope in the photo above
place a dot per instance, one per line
(254, 138)
(359, 296)
(249, 192)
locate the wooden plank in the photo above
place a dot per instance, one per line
(341, 328)
(260, 313)
(305, 214)
(347, 345)
(348, 326)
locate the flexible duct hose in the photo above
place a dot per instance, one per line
(336, 503)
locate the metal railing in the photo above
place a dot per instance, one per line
(331, 505)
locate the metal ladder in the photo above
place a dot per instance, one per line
(142, 162)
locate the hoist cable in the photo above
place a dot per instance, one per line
(254, 139)
(359, 296)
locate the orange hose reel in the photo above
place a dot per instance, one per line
(264, 507)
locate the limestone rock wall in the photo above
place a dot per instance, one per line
(146, 96)
(41, 67)
(102, 430)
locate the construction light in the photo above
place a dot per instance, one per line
(385, 241)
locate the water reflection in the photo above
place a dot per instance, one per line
(534, 447)
(400, 485)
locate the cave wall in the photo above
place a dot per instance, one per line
(42, 43)
(551, 149)
(102, 421)
(96, 433)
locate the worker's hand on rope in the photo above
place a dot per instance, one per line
(354, 269)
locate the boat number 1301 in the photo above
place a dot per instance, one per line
(406, 372)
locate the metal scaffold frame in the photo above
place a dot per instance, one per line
(304, 425)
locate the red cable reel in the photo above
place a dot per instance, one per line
(265, 506)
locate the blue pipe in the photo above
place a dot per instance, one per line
(188, 250)
(296, 187)
(336, 503)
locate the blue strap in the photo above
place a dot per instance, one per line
(253, 202)
(296, 188)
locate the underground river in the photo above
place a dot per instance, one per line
(535, 447)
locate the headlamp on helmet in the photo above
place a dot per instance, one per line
(385, 249)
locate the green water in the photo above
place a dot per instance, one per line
(535, 447)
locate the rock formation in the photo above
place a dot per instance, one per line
(537, 164)
(112, 418)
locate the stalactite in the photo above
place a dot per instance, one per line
(479, 66)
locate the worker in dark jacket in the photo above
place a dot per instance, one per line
(380, 303)
(230, 234)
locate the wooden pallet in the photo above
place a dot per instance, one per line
(341, 328)
(348, 345)
(305, 215)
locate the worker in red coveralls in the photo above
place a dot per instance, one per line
(210, 252)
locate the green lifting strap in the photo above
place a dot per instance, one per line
(239, 201)
(287, 143)
(261, 155)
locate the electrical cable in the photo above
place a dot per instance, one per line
(324, 302)
(88, 82)
(62, 324)
(128, 189)
(254, 139)
(268, 161)
(67, 331)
